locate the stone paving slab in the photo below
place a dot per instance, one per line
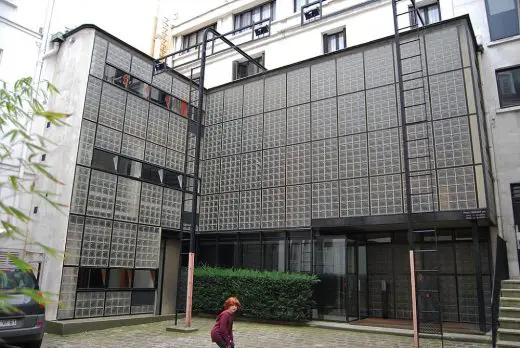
(247, 335)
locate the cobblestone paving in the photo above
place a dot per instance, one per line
(247, 335)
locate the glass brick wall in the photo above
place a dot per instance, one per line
(126, 184)
(322, 139)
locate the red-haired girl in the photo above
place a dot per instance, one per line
(222, 332)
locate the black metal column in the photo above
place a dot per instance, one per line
(478, 276)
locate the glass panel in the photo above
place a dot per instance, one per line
(246, 19)
(237, 22)
(329, 259)
(160, 97)
(274, 255)
(144, 278)
(256, 14)
(226, 255)
(251, 254)
(151, 173)
(434, 14)
(92, 278)
(341, 40)
(129, 167)
(266, 11)
(138, 87)
(503, 18)
(509, 87)
(143, 301)
(120, 278)
(207, 252)
(104, 160)
(171, 179)
(116, 76)
(300, 255)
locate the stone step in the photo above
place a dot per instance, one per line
(509, 312)
(509, 335)
(506, 344)
(510, 302)
(509, 323)
(510, 292)
(511, 284)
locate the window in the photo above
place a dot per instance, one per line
(299, 3)
(259, 13)
(192, 39)
(120, 78)
(160, 97)
(120, 278)
(508, 81)
(335, 41)
(92, 278)
(128, 167)
(503, 19)
(152, 174)
(246, 68)
(429, 13)
(44, 157)
(104, 161)
(180, 107)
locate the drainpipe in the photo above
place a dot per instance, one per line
(53, 51)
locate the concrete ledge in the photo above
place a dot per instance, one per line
(68, 327)
(181, 328)
(399, 332)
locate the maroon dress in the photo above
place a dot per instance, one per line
(223, 329)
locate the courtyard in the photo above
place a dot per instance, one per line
(246, 334)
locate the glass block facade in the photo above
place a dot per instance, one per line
(329, 131)
(126, 186)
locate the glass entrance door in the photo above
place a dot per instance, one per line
(356, 287)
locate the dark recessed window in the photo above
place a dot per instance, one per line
(104, 161)
(246, 68)
(139, 87)
(335, 41)
(120, 278)
(152, 174)
(44, 156)
(430, 14)
(244, 20)
(508, 81)
(92, 278)
(160, 97)
(129, 167)
(171, 179)
(48, 125)
(192, 39)
(35, 210)
(503, 18)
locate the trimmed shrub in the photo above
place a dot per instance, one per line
(263, 295)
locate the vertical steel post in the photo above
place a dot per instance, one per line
(408, 199)
(193, 227)
(478, 276)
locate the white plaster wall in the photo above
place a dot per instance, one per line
(49, 226)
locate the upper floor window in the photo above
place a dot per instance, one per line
(299, 3)
(192, 39)
(246, 68)
(335, 41)
(503, 19)
(244, 20)
(429, 13)
(509, 86)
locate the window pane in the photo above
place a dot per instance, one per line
(120, 278)
(171, 179)
(116, 76)
(144, 279)
(160, 97)
(266, 11)
(332, 43)
(126, 166)
(256, 14)
(237, 22)
(151, 173)
(91, 278)
(104, 161)
(246, 19)
(503, 18)
(341, 40)
(138, 87)
(434, 14)
(509, 87)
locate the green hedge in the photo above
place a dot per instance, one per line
(263, 295)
